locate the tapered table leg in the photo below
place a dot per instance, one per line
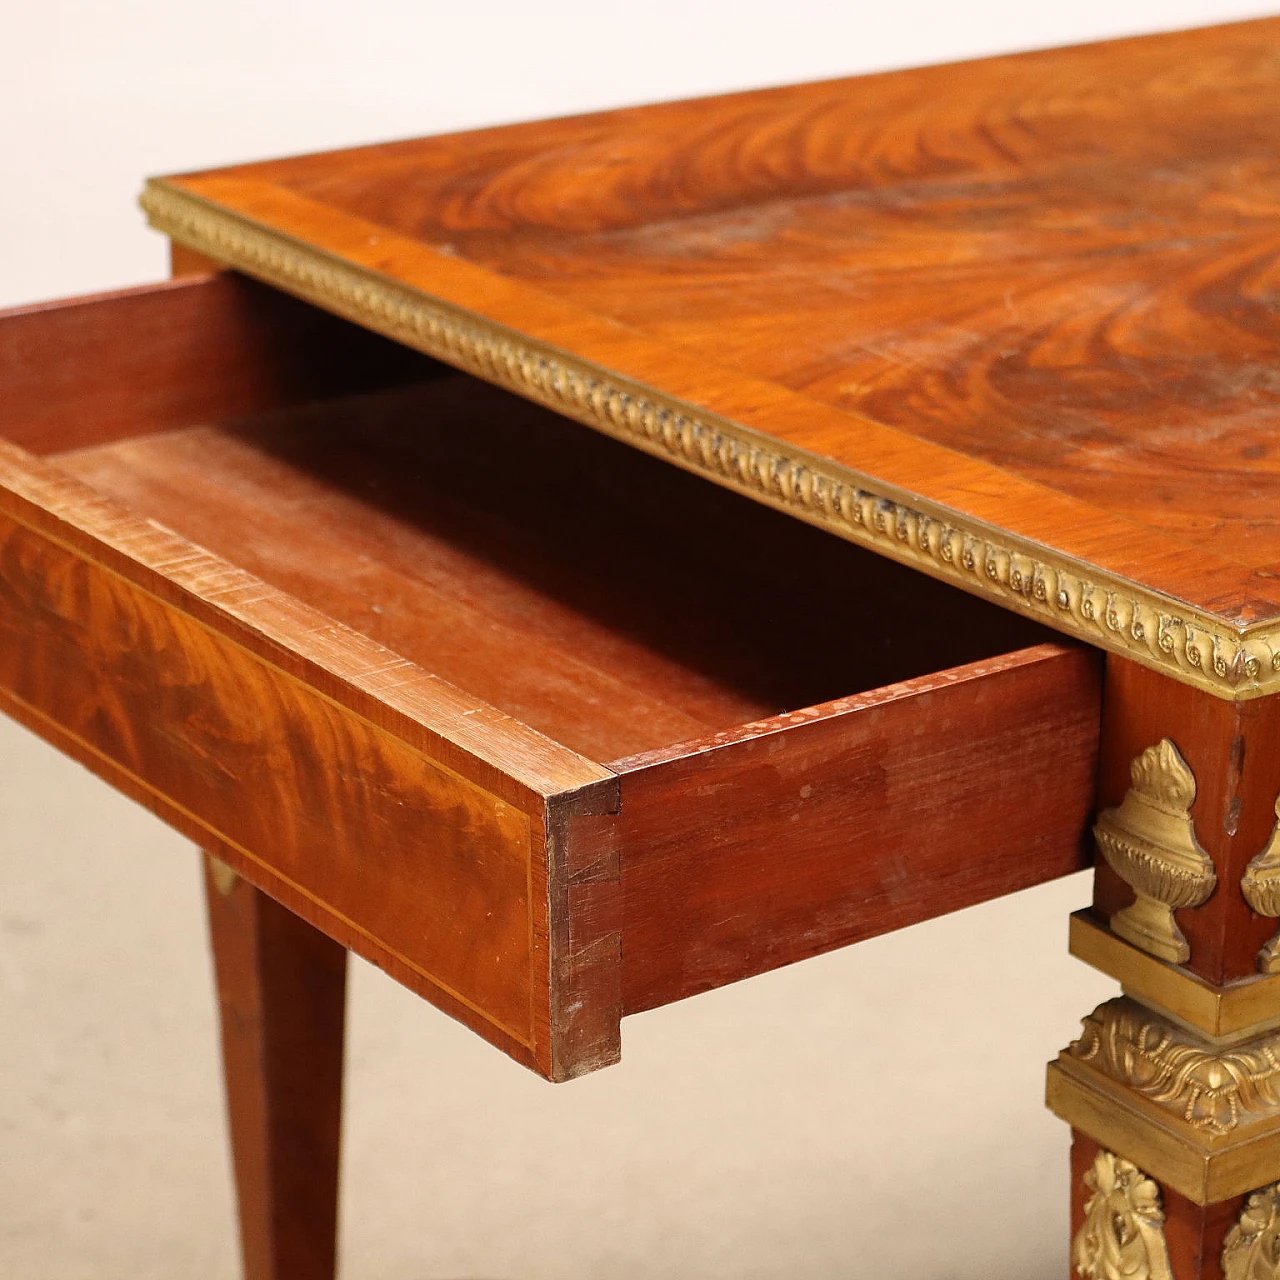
(281, 987)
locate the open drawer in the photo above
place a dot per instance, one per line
(548, 729)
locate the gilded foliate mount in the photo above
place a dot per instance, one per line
(1261, 888)
(1151, 843)
(1122, 1236)
(1251, 1250)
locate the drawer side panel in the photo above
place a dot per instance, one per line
(765, 846)
(84, 370)
(400, 858)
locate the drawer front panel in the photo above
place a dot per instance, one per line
(399, 857)
(758, 848)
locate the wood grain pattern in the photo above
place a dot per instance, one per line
(84, 370)
(784, 839)
(1233, 749)
(1060, 267)
(1036, 290)
(281, 997)
(306, 792)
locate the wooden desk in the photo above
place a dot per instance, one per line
(555, 731)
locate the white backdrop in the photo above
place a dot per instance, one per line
(97, 95)
(872, 1113)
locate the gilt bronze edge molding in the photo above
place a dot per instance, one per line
(1223, 1014)
(1101, 608)
(1203, 1167)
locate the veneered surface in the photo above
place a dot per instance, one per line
(1054, 277)
(294, 790)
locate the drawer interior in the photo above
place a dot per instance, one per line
(549, 729)
(601, 596)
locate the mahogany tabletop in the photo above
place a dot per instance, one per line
(1013, 321)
